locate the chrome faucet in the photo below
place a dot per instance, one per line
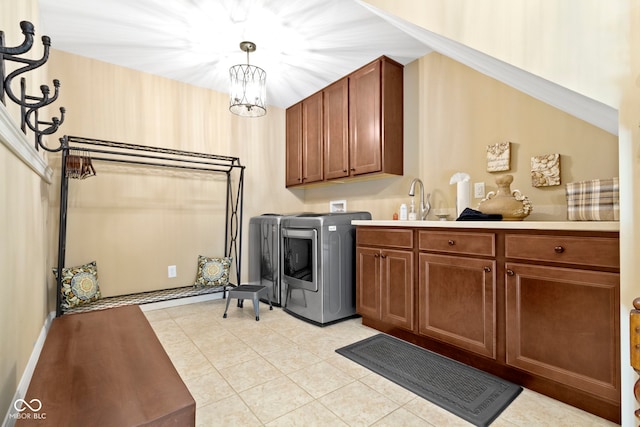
(425, 205)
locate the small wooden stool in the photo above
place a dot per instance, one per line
(252, 292)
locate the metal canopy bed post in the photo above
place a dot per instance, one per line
(147, 156)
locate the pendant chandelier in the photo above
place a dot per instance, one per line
(248, 91)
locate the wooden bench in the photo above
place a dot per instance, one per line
(107, 368)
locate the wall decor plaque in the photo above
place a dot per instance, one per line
(499, 157)
(545, 170)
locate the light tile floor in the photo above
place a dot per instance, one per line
(281, 371)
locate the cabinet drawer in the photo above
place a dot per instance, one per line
(394, 237)
(458, 242)
(593, 251)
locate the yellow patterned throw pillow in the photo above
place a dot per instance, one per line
(79, 285)
(213, 271)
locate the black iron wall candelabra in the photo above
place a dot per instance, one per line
(29, 104)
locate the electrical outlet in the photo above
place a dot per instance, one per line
(171, 271)
(478, 190)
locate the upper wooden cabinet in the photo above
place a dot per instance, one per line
(375, 118)
(304, 141)
(361, 131)
(312, 138)
(336, 130)
(294, 145)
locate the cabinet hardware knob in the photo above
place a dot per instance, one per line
(353, 169)
(344, 170)
(376, 256)
(383, 255)
(558, 249)
(487, 269)
(451, 242)
(510, 273)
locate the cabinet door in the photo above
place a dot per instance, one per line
(364, 120)
(312, 144)
(397, 288)
(457, 301)
(368, 283)
(294, 145)
(336, 130)
(563, 324)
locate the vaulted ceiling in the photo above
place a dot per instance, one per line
(303, 45)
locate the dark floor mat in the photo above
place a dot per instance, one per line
(467, 392)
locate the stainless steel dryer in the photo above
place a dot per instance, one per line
(318, 266)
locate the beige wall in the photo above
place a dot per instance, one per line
(23, 224)
(136, 222)
(23, 261)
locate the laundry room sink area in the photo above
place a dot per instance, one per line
(536, 303)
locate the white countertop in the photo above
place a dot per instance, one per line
(502, 225)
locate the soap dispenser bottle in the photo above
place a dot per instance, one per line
(412, 211)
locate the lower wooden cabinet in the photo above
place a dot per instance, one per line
(537, 307)
(368, 287)
(384, 277)
(396, 276)
(384, 288)
(457, 301)
(564, 324)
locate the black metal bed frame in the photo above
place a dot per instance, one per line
(148, 156)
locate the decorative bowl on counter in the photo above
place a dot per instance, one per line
(442, 214)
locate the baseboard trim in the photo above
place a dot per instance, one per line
(180, 301)
(23, 385)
